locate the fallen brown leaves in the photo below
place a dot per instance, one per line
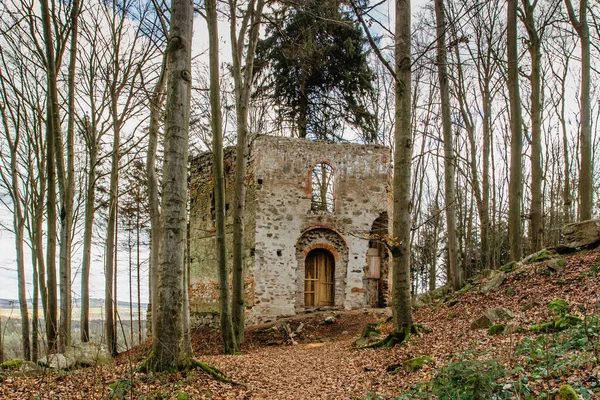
(322, 366)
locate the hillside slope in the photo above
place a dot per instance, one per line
(322, 364)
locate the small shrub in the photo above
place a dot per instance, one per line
(557, 324)
(559, 306)
(120, 389)
(556, 355)
(465, 379)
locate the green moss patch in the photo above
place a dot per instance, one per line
(557, 324)
(415, 364)
(542, 256)
(496, 329)
(510, 267)
(15, 363)
(567, 392)
(464, 289)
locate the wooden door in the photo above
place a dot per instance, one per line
(319, 282)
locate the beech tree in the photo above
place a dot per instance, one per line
(449, 163)
(12, 121)
(516, 142)
(585, 188)
(168, 347)
(242, 75)
(228, 336)
(403, 144)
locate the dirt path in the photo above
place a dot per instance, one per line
(321, 366)
(308, 371)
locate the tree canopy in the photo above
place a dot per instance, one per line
(320, 76)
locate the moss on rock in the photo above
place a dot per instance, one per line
(415, 364)
(496, 329)
(557, 324)
(15, 363)
(183, 396)
(567, 392)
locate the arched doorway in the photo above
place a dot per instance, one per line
(319, 279)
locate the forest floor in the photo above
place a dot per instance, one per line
(322, 363)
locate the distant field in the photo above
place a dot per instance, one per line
(96, 313)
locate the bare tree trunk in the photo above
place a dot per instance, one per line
(535, 78)
(401, 224)
(565, 143)
(130, 254)
(243, 84)
(229, 343)
(449, 158)
(109, 268)
(586, 170)
(484, 212)
(168, 346)
(516, 145)
(66, 184)
(91, 135)
(156, 101)
(34, 312)
(137, 247)
(187, 333)
(19, 230)
(52, 129)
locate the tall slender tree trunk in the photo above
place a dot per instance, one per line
(484, 213)
(66, 183)
(565, 143)
(52, 130)
(137, 248)
(403, 143)
(35, 312)
(243, 85)
(109, 301)
(88, 233)
(19, 227)
(156, 101)
(516, 144)
(130, 255)
(449, 157)
(535, 78)
(585, 189)
(229, 343)
(38, 245)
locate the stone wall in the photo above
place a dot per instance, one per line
(204, 297)
(281, 227)
(284, 168)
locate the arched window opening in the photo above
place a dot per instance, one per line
(322, 188)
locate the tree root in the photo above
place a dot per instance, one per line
(391, 340)
(191, 363)
(187, 364)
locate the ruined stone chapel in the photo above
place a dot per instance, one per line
(313, 209)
